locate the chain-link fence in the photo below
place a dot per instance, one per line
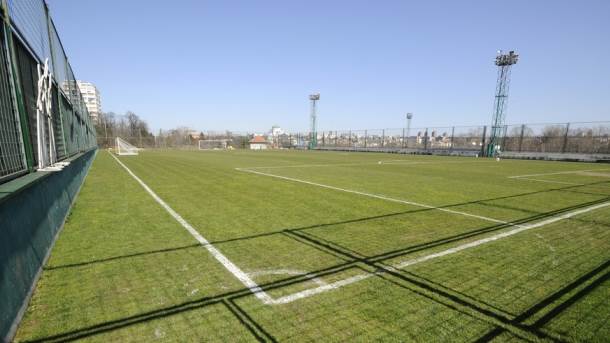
(590, 138)
(43, 119)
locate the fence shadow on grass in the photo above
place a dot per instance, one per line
(114, 258)
(440, 294)
(546, 302)
(419, 210)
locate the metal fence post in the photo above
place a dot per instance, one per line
(521, 137)
(452, 135)
(349, 141)
(483, 141)
(426, 139)
(565, 138)
(382, 138)
(365, 138)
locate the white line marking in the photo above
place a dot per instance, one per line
(377, 196)
(337, 164)
(313, 291)
(313, 278)
(594, 174)
(392, 162)
(268, 300)
(555, 173)
(230, 266)
(550, 181)
(407, 263)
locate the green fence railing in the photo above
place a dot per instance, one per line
(43, 118)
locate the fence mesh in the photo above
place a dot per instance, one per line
(28, 133)
(11, 147)
(28, 76)
(575, 138)
(30, 19)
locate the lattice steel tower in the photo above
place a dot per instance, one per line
(313, 140)
(504, 62)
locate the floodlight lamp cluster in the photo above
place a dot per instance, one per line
(409, 115)
(503, 59)
(315, 96)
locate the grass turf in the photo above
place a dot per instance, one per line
(124, 269)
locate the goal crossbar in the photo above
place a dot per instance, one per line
(207, 144)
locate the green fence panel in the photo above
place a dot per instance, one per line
(30, 219)
(12, 161)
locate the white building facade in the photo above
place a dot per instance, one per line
(91, 97)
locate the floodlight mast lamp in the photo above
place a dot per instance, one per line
(409, 117)
(313, 141)
(504, 61)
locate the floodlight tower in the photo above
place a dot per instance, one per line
(409, 117)
(313, 141)
(504, 61)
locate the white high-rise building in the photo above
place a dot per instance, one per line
(91, 97)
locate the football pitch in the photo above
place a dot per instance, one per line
(329, 246)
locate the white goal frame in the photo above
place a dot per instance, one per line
(125, 148)
(222, 144)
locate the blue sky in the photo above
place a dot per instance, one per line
(246, 65)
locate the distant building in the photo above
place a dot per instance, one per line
(274, 136)
(258, 143)
(276, 131)
(195, 135)
(91, 97)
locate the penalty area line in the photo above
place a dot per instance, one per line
(220, 257)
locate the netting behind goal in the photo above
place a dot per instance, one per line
(124, 148)
(212, 144)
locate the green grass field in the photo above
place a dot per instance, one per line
(329, 246)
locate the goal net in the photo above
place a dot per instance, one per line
(213, 144)
(124, 148)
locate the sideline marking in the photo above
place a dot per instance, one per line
(528, 176)
(377, 196)
(389, 162)
(230, 266)
(408, 162)
(407, 263)
(555, 173)
(550, 181)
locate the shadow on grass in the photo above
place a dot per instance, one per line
(556, 296)
(446, 298)
(419, 210)
(226, 298)
(114, 258)
(441, 295)
(455, 238)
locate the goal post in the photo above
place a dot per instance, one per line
(124, 148)
(213, 144)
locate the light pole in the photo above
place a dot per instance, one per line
(409, 117)
(313, 142)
